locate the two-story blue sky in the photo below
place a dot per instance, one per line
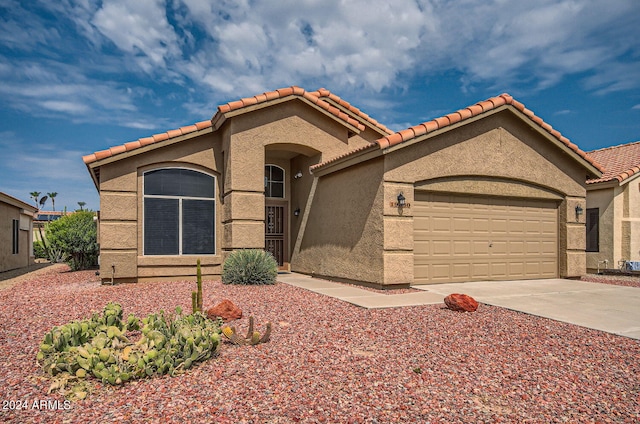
(80, 76)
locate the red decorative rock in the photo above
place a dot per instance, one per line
(226, 310)
(461, 302)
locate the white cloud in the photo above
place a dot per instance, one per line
(139, 28)
(216, 51)
(636, 107)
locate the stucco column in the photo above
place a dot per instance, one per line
(572, 235)
(243, 221)
(398, 234)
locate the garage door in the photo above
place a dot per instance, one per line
(466, 238)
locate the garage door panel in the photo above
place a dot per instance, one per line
(466, 238)
(498, 270)
(440, 224)
(549, 248)
(461, 225)
(480, 248)
(441, 248)
(480, 226)
(516, 269)
(462, 247)
(481, 271)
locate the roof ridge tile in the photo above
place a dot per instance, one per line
(323, 92)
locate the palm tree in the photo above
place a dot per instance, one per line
(35, 195)
(81, 204)
(52, 196)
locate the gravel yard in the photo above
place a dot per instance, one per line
(328, 361)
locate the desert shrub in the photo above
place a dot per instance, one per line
(250, 267)
(103, 347)
(38, 250)
(75, 237)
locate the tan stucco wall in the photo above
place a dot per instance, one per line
(292, 135)
(631, 221)
(121, 216)
(343, 226)
(8, 260)
(603, 199)
(499, 155)
(619, 224)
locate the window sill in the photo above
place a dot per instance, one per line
(184, 260)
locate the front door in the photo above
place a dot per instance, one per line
(275, 231)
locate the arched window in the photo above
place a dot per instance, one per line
(179, 212)
(273, 181)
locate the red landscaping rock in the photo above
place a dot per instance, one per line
(461, 302)
(226, 310)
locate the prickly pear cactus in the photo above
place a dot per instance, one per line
(101, 348)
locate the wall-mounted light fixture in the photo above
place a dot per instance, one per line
(579, 211)
(401, 200)
(296, 212)
(298, 175)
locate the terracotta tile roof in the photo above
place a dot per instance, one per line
(324, 93)
(141, 142)
(620, 162)
(467, 113)
(282, 93)
(219, 117)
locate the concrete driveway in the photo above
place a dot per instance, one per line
(605, 307)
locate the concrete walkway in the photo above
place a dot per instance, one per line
(604, 307)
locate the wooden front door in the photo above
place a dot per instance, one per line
(275, 231)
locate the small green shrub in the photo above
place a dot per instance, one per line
(38, 250)
(250, 267)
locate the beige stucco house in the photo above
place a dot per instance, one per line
(485, 193)
(16, 233)
(613, 208)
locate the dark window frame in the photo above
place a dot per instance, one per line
(182, 200)
(593, 229)
(15, 235)
(270, 182)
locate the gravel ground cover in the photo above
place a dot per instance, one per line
(619, 280)
(328, 362)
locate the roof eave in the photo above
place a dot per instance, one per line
(599, 185)
(13, 201)
(363, 154)
(220, 117)
(94, 165)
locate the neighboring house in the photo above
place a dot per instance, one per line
(16, 229)
(485, 193)
(41, 219)
(613, 208)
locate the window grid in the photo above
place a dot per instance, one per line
(271, 181)
(179, 223)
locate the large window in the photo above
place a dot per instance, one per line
(273, 181)
(593, 236)
(179, 212)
